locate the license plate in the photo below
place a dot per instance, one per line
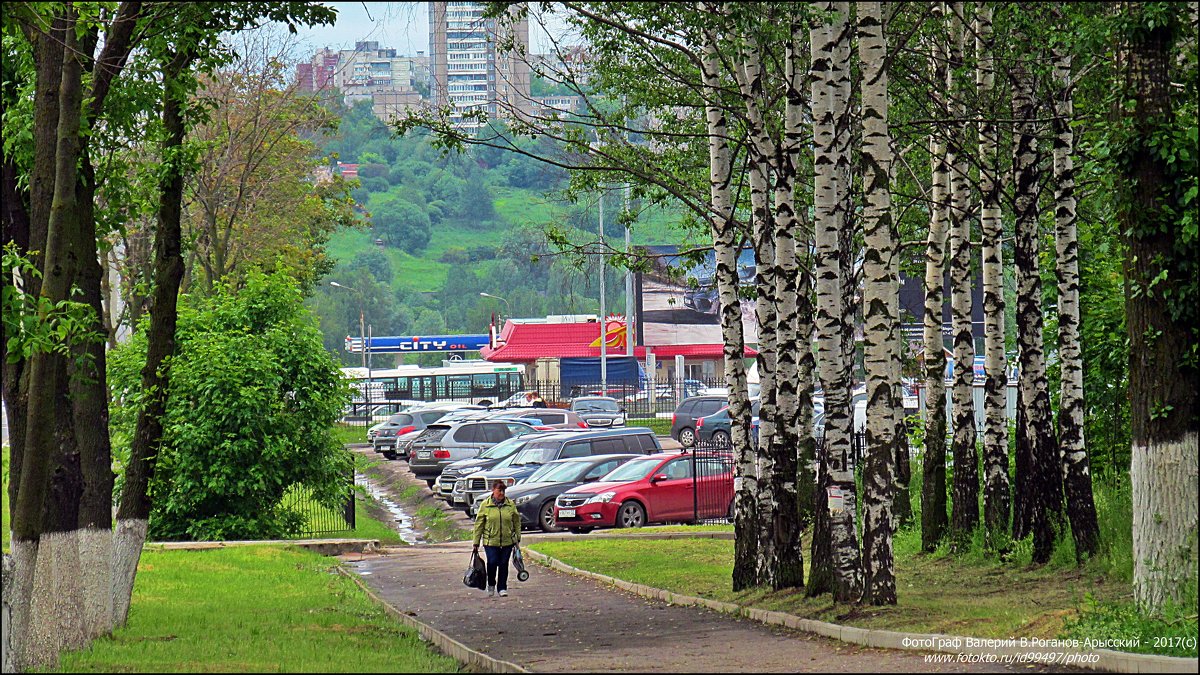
(566, 513)
(423, 454)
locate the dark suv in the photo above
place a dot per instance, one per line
(441, 444)
(715, 428)
(683, 422)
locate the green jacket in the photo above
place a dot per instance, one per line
(497, 525)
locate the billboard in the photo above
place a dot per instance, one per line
(677, 301)
(416, 344)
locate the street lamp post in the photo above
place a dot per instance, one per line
(362, 331)
(496, 297)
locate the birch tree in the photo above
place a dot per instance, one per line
(1076, 471)
(880, 312)
(996, 490)
(830, 94)
(933, 489)
(1041, 482)
(965, 504)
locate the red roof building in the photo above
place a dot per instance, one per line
(529, 342)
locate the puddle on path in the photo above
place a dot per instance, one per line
(403, 521)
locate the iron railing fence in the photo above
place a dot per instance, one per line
(653, 399)
(321, 519)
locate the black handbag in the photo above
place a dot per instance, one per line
(476, 574)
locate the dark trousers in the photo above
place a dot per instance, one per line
(497, 566)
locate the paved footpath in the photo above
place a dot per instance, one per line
(557, 622)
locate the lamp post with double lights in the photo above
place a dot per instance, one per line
(366, 355)
(496, 297)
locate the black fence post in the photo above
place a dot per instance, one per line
(348, 513)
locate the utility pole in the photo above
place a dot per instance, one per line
(603, 313)
(628, 280)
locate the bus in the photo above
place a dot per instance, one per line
(477, 382)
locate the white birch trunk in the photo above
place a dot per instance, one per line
(965, 506)
(725, 240)
(881, 294)
(1076, 472)
(997, 497)
(933, 489)
(830, 101)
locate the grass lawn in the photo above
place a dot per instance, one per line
(253, 609)
(937, 593)
(660, 426)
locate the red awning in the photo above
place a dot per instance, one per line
(710, 351)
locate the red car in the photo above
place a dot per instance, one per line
(653, 489)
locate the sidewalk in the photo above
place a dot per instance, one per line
(557, 622)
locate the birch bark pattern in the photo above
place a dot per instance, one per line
(933, 487)
(1076, 471)
(964, 517)
(830, 101)
(1042, 483)
(725, 240)
(996, 489)
(881, 294)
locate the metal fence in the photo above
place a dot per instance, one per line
(319, 519)
(651, 399)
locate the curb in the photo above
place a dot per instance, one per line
(473, 660)
(1098, 659)
(332, 547)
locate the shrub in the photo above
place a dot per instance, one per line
(253, 400)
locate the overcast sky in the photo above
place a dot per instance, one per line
(403, 26)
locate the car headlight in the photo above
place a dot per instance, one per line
(524, 499)
(602, 498)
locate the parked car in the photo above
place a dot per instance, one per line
(683, 422)
(551, 418)
(561, 445)
(715, 428)
(402, 423)
(403, 445)
(534, 496)
(441, 444)
(485, 460)
(655, 489)
(599, 411)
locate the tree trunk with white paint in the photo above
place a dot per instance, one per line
(1162, 380)
(881, 328)
(964, 515)
(996, 489)
(1077, 476)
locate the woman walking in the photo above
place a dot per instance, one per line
(498, 525)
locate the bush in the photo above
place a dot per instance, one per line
(253, 398)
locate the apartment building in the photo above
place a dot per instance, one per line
(470, 70)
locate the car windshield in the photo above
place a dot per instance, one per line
(596, 405)
(635, 469)
(537, 453)
(503, 448)
(554, 472)
(400, 420)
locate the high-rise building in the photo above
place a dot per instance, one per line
(470, 69)
(318, 73)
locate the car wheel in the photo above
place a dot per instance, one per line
(580, 530)
(721, 438)
(430, 482)
(687, 437)
(631, 514)
(485, 403)
(546, 518)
